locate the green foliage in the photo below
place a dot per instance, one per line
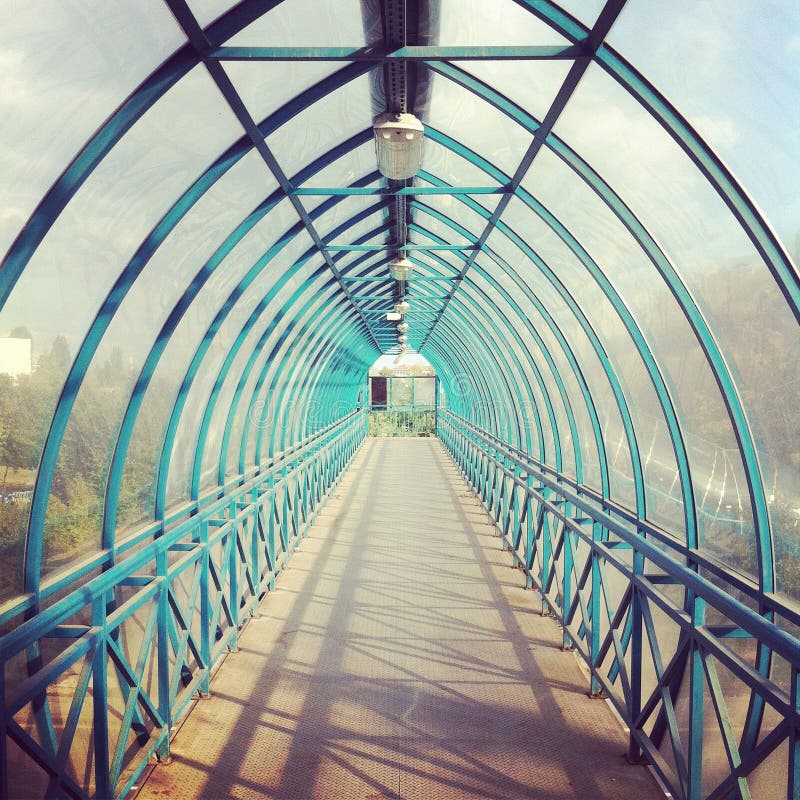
(74, 512)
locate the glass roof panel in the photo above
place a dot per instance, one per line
(116, 365)
(450, 167)
(305, 23)
(347, 169)
(532, 85)
(501, 22)
(428, 230)
(458, 212)
(206, 11)
(343, 211)
(700, 406)
(664, 505)
(186, 437)
(586, 11)
(324, 124)
(464, 116)
(717, 263)
(99, 57)
(266, 86)
(211, 452)
(733, 75)
(265, 357)
(67, 278)
(160, 396)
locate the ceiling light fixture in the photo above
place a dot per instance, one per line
(401, 307)
(394, 316)
(402, 327)
(398, 145)
(402, 339)
(401, 269)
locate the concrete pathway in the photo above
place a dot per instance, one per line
(399, 657)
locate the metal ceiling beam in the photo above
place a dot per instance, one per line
(398, 190)
(380, 55)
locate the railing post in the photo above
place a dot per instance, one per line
(566, 578)
(637, 652)
(205, 611)
(595, 690)
(4, 788)
(102, 764)
(233, 582)
(162, 641)
(793, 789)
(696, 702)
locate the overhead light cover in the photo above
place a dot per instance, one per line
(398, 145)
(402, 327)
(394, 316)
(402, 339)
(401, 269)
(401, 307)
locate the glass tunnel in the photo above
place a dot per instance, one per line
(206, 244)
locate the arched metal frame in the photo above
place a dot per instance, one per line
(319, 361)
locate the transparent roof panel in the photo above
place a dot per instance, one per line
(348, 168)
(532, 85)
(117, 206)
(586, 11)
(699, 403)
(714, 259)
(206, 11)
(266, 86)
(453, 209)
(503, 22)
(451, 168)
(211, 452)
(317, 129)
(733, 75)
(99, 58)
(464, 116)
(305, 23)
(343, 212)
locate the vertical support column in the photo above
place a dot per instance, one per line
(436, 405)
(4, 788)
(515, 505)
(696, 703)
(284, 521)
(545, 550)
(205, 611)
(793, 788)
(162, 641)
(566, 577)
(530, 533)
(255, 549)
(595, 690)
(102, 775)
(271, 543)
(233, 582)
(636, 651)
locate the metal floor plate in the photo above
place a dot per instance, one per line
(400, 657)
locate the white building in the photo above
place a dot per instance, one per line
(15, 356)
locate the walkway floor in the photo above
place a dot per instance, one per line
(399, 657)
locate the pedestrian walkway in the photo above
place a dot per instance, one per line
(400, 657)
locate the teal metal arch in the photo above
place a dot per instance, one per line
(590, 332)
(496, 402)
(704, 158)
(567, 350)
(758, 233)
